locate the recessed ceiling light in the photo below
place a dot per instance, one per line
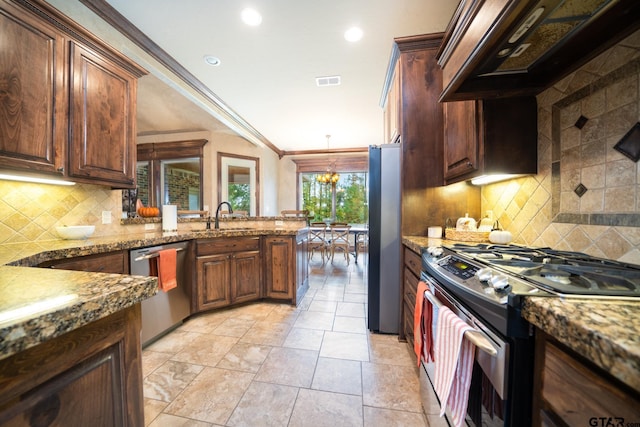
(214, 61)
(251, 17)
(353, 34)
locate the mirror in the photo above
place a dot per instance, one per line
(238, 182)
(170, 173)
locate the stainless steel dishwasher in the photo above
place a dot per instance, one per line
(165, 310)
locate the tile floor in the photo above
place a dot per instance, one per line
(268, 364)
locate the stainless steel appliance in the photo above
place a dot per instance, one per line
(384, 266)
(165, 310)
(484, 285)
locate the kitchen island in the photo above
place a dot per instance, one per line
(70, 340)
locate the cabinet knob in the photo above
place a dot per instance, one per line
(470, 164)
(61, 170)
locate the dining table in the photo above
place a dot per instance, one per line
(356, 230)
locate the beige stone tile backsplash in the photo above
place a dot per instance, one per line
(524, 205)
(30, 212)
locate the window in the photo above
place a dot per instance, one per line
(348, 197)
(238, 182)
(170, 173)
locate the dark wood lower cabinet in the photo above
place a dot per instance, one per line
(412, 266)
(228, 271)
(571, 391)
(88, 377)
(280, 267)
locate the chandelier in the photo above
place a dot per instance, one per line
(329, 177)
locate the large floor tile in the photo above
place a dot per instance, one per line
(338, 375)
(354, 325)
(174, 341)
(207, 351)
(378, 417)
(314, 320)
(305, 339)
(166, 420)
(151, 360)
(267, 333)
(152, 408)
(204, 323)
(211, 396)
(234, 327)
(264, 405)
(244, 357)
(288, 366)
(323, 306)
(350, 309)
(391, 387)
(344, 345)
(387, 349)
(323, 409)
(166, 382)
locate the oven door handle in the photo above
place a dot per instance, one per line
(479, 339)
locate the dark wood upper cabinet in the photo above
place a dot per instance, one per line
(498, 48)
(67, 100)
(412, 111)
(491, 136)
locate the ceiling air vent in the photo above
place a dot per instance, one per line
(328, 81)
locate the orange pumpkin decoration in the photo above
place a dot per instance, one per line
(148, 212)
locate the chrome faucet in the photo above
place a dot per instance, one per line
(217, 223)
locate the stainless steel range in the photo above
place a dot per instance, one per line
(484, 284)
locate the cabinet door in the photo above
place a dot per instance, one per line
(280, 268)
(213, 276)
(245, 283)
(102, 115)
(32, 93)
(302, 266)
(461, 141)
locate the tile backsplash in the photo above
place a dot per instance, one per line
(30, 212)
(586, 195)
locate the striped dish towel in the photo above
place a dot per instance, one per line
(454, 362)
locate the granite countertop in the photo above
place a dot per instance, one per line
(605, 332)
(37, 304)
(31, 254)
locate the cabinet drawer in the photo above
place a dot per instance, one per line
(413, 261)
(576, 393)
(410, 287)
(408, 323)
(226, 245)
(113, 262)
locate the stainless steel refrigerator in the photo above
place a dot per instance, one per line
(384, 239)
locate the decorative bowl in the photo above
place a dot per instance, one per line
(75, 232)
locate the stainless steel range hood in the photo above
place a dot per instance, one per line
(496, 48)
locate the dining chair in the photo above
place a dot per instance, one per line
(340, 239)
(317, 240)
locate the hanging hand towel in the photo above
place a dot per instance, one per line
(418, 313)
(454, 363)
(164, 266)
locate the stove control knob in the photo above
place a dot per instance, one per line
(484, 274)
(434, 251)
(499, 281)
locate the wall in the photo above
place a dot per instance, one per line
(547, 209)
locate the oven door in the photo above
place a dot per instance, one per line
(488, 390)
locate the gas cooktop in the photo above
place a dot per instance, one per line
(570, 274)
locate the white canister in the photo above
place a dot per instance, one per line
(434, 232)
(169, 218)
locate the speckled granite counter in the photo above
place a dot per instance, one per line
(34, 253)
(605, 332)
(39, 304)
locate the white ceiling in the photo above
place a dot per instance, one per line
(267, 75)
